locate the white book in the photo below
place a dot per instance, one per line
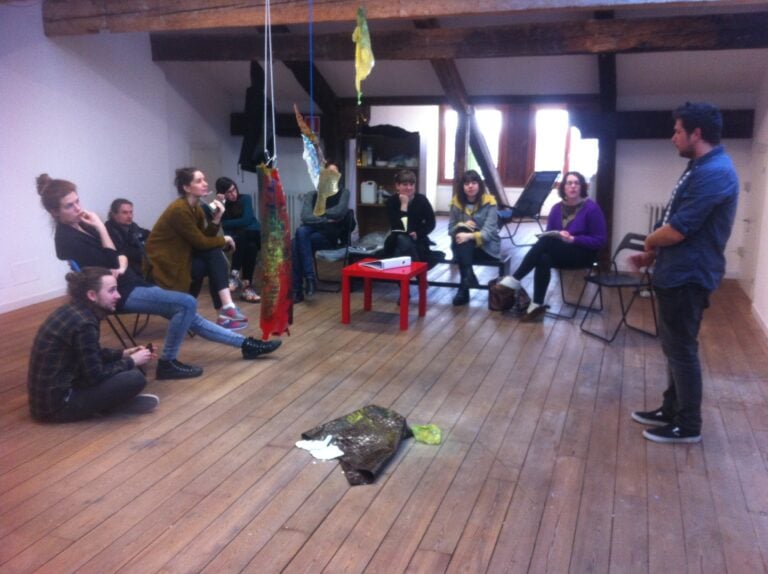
(389, 263)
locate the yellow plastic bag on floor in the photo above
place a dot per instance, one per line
(428, 434)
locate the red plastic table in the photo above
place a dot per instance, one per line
(368, 275)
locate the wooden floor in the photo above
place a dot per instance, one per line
(541, 468)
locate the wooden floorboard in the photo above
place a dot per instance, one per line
(541, 468)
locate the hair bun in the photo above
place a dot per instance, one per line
(42, 181)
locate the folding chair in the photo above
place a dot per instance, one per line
(126, 333)
(575, 306)
(348, 225)
(613, 279)
(528, 205)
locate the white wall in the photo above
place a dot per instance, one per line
(760, 216)
(97, 111)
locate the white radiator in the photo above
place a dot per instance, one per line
(655, 212)
(294, 202)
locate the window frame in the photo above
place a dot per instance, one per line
(526, 112)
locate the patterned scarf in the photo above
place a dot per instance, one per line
(570, 212)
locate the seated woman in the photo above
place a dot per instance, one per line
(82, 237)
(240, 222)
(578, 231)
(184, 248)
(322, 214)
(473, 226)
(411, 220)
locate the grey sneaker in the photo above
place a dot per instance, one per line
(671, 434)
(140, 404)
(655, 418)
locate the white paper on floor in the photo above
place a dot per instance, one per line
(321, 449)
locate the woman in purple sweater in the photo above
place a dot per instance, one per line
(575, 232)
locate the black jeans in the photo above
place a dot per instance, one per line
(548, 253)
(85, 402)
(213, 264)
(680, 312)
(248, 244)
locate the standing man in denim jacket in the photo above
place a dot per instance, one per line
(688, 247)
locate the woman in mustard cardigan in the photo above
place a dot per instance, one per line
(183, 248)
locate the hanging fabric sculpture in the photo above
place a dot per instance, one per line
(325, 178)
(276, 300)
(364, 61)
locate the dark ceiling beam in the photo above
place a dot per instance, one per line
(74, 17)
(324, 96)
(683, 33)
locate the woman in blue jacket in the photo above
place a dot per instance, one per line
(575, 232)
(240, 222)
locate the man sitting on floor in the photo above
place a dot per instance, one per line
(71, 377)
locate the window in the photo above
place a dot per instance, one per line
(489, 120)
(521, 138)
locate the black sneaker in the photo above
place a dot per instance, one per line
(671, 433)
(174, 369)
(655, 418)
(140, 404)
(252, 348)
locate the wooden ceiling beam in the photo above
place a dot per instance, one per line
(74, 17)
(683, 33)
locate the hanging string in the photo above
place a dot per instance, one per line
(311, 66)
(269, 87)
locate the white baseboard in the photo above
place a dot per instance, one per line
(760, 320)
(5, 307)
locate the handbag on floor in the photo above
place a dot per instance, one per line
(501, 298)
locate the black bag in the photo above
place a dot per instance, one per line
(369, 437)
(501, 298)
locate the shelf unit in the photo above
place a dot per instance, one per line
(397, 147)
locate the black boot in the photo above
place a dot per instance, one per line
(472, 279)
(252, 348)
(462, 296)
(310, 286)
(173, 369)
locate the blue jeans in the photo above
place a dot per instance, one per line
(181, 311)
(680, 312)
(84, 402)
(305, 243)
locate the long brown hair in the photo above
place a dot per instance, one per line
(51, 191)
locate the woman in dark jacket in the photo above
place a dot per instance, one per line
(411, 220)
(240, 222)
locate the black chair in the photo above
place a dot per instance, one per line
(639, 282)
(482, 260)
(121, 330)
(528, 205)
(348, 225)
(575, 305)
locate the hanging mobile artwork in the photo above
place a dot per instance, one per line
(325, 178)
(364, 61)
(276, 301)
